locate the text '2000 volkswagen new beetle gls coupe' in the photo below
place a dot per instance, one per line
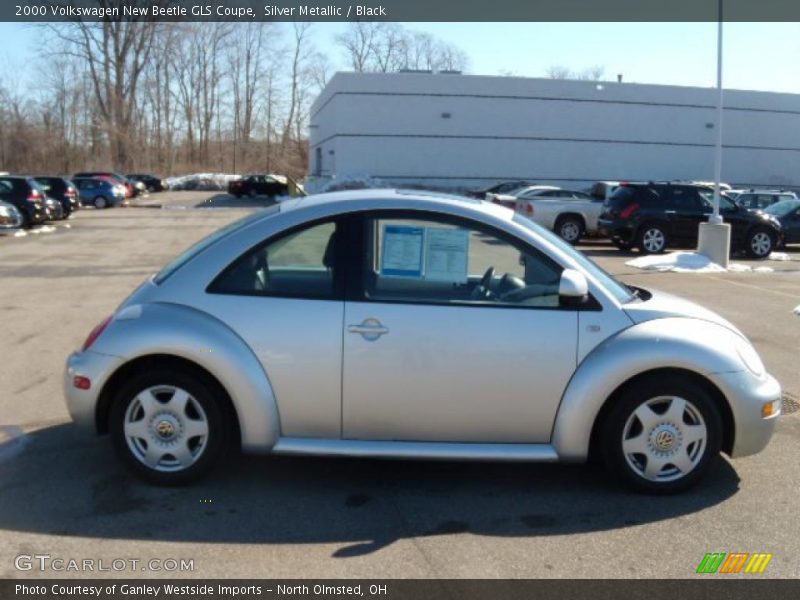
(414, 325)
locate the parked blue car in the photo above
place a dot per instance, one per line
(99, 192)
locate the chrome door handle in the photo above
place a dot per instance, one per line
(369, 329)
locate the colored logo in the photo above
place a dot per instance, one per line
(735, 562)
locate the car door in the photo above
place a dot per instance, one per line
(284, 297)
(791, 227)
(685, 211)
(453, 333)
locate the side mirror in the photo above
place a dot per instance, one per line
(573, 285)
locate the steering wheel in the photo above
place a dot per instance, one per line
(483, 291)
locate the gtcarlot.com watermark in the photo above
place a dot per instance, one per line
(46, 562)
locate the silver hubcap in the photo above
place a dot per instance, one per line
(570, 231)
(653, 240)
(165, 428)
(100, 202)
(761, 244)
(664, 438)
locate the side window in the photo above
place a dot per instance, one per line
(299, 264)
(436, 262)
(684, 199)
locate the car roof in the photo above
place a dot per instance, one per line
(411, 199)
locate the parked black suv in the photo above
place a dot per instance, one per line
(26, 195)
(654, 216)
(62, 190)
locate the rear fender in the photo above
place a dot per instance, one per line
(171, 329)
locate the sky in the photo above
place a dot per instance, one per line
(757, 56)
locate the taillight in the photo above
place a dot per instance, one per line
(34, 196)
(96, 333)
(70, 193)
(628, 211)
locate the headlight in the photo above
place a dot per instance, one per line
(750, 357)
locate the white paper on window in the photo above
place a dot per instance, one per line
(446, 254)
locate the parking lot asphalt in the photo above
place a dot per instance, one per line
(64, 494)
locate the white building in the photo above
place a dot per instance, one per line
(452, 130)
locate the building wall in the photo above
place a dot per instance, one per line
(462, 131)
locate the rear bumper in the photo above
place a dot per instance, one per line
(747, 394)
(615, 229)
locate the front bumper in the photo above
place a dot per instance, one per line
(747, 394)
(82, 404)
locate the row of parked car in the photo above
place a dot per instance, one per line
(653, 216)
(27, 200)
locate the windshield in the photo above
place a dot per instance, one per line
(620, 291)
(193, 251)
(783, 208)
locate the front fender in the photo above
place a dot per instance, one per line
(178, 330)
(693, 345)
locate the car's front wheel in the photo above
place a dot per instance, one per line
(662, 435)
(168, 426)
(100, 202)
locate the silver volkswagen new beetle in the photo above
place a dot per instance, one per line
(414, 325)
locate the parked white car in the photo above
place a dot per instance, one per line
(509, 200)
(570, 214)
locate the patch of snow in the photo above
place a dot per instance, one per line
(677, 262)
(797, 310)
(779, 256)
(690, 262)
(20, 234)
(201, 181)
(44, 229)
(321, 185)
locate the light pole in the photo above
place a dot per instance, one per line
(715, 216)
(714, 237)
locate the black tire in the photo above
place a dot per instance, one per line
(202, 390)
(760, 243)
(648, 235)
(620, 421)
(570, 229)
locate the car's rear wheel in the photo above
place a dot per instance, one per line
(168, 426)
(569, 229)
(760, 243)
(662, 435)
(652, 239)
(100, 202)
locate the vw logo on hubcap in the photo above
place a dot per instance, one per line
(165, 429)
(664, 440)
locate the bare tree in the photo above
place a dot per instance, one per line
(594, 73)
(559, 72)
(116, 52)
(357, 43)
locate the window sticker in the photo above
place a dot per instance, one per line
(446, 254)
(402, 251)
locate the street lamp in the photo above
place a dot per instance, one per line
(714, 237)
